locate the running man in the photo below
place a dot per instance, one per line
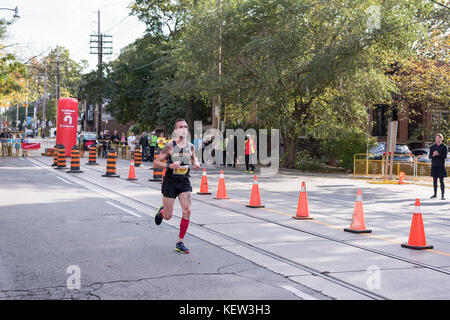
(179, 154)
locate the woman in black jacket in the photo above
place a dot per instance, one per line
(438, 154)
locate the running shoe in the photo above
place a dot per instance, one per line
(434, 197)
(245, 171)
(252, 172)
(158, 216)
(442, 198)
(181, 248)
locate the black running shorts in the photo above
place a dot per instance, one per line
(172, 187)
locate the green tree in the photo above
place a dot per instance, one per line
(10, 68)
(299, 64)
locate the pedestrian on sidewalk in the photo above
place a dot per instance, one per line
(153, 144)
(17, 145)
(143, 141)
(25, 151)
(132, 143)
(438, 154)
(250, 151)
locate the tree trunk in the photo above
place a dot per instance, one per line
(292, 150)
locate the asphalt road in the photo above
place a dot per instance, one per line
(48, 224)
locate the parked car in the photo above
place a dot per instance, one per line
(89, 138)
(402, 152)
(422, 155)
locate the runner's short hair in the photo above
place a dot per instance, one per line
(440, 135)
(178, 120)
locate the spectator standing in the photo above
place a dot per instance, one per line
(17, 145)
(132, 144)
(153, 144)
(25, 151)
(438, 154)
(250, 151)
(143, 141)
(115, 140)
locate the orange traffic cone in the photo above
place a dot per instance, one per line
(358, 225)
(417, 233)
(255, 199)
(221, 190)
(204, 186)
(132, 173)
(302, 207)
(401, 179)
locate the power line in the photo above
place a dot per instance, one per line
(441, 4)
(122, 20)
(148, 64)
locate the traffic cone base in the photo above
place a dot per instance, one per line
(249, 206)
(92, 164)
(357, 231)
(302, 218)
(74, 171)
(204, 193)
(111, 176)
(405, 245)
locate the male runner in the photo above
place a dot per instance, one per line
(179, 154)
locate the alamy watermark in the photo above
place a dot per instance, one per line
(228, 146)
(74, 280)
(374, 279)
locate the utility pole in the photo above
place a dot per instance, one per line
(217, 103)
(100, 44)
(57, 73)
(57, 65)
(45, 92)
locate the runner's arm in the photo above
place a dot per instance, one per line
(159, 161)
(194, 158)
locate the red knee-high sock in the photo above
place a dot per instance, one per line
(184, 224)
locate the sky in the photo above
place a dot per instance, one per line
(43, 24)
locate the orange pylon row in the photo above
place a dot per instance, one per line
(416, 239)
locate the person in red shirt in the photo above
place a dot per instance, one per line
(250, 151)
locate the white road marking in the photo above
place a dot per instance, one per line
(123, 209)
(63, 180)
(299, 293)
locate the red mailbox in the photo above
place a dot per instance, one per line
(66, 132)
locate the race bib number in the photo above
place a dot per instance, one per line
(181, 171)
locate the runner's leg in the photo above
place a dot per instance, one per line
(185, 199)
(167, 212)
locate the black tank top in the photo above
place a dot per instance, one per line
(183, 155)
